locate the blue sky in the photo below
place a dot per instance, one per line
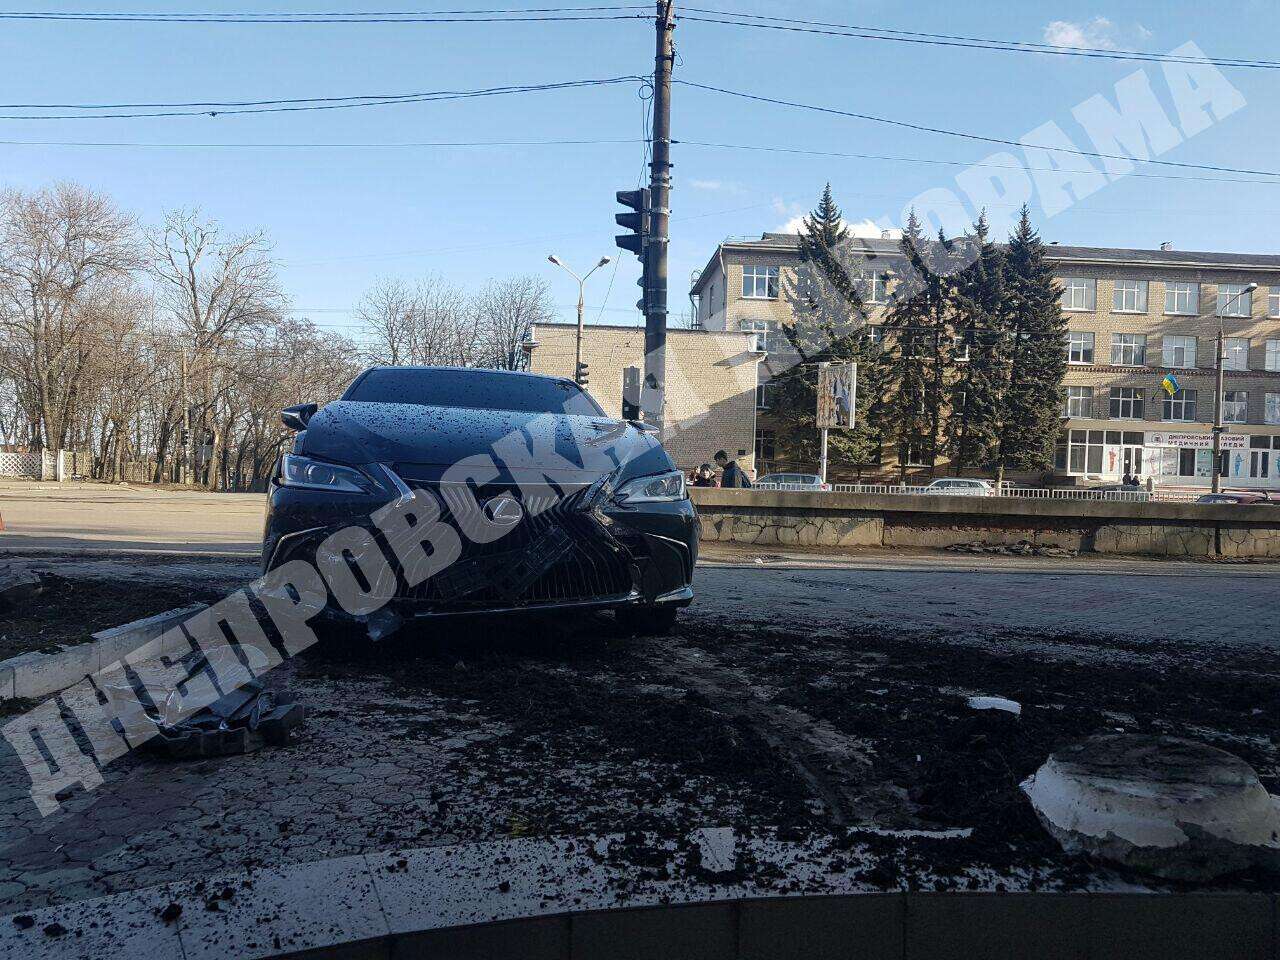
(341, 218)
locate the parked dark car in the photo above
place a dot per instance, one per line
(1247, 499)
(591, 511)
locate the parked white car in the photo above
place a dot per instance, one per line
(792, 481)
(960, 487)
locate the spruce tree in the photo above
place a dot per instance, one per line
(1038, 360)
(829, 324)
(918, 343)
(976, 404)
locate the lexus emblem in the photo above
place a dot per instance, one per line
(505, 511)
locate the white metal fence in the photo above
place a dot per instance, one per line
(1008, 490)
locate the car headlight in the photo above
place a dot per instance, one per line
(654, 489)
(308, 474)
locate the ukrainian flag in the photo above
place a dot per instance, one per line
(1170, 384)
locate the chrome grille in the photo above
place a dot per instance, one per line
(593, 564)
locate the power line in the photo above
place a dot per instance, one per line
(414, 145)
(957, 163)
(301, 104)
(966, 136)
(860, 32)
(539, 15)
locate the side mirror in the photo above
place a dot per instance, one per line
(296, 418)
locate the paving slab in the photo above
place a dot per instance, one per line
(122, 927)
(306, 906)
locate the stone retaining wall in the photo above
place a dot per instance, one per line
(778, 518)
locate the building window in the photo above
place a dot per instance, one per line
(1273, 356)
(1129, 349)
(760, 283)
(766, 446)
(1235, 406)
(1079, 402)
(1273, 302)
(1079, 293)
(960, 348)
(873, 287)
(876, 336)
(1271, 413)
(1235, 353)
(1182, 298)
(1233, 301)
(1126, 403)
(1130, 296)
(764, 395)
(1179, 351)
(760, 342)
(1079, 347)
(1181, 406)
(915, 452)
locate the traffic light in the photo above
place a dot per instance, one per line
(630, 393)
(583, 374)
(637, 222)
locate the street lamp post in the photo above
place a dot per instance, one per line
(582, 281)
(1218, 398)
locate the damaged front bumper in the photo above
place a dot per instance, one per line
(583, 552)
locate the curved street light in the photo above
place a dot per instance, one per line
(577, 366)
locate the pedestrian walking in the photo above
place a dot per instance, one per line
(731, 475)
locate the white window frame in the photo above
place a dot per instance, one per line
(764, 391)
(960, 348)
(1079, 294)
(873, 286)
(1235, 353)
(1178, 291)
(1241, 303)
(1129, 296)
(1170, 344)
(1134, 344)
(757, 274)
(1133, 399)
(760, 331)
(1273, 302)
(1235, 406)
(1078, 341)
(1078, 405)
(1272, 361)
(1184, 401)
(1271, 408)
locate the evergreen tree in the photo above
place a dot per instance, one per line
(829, 325)
(976, 403)
(918, 343)
(1038, 362)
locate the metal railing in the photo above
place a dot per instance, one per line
(1008, 490)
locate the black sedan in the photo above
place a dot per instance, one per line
(530, 497)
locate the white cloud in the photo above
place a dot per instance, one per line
(711, 185)
(864, 229)
(1098, 32)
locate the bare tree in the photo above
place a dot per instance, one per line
(387, 313)
(507, 311)
(61, 251)
(214, 289)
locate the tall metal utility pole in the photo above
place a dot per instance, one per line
(1215, 484)
(653, 396)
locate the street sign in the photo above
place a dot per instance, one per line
(837, 395)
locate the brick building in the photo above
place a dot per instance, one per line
(1134, 316)
(711, 383)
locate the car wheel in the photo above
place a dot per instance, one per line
(647, 621)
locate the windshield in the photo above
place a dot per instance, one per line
(478, 389)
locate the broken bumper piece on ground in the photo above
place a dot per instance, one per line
(242, 720)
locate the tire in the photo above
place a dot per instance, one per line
(647, 621)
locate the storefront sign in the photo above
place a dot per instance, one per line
(1197, 441)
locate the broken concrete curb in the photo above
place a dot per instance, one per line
(31, 675)
(1175, 808)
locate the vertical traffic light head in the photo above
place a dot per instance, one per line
(582, 375)
(637, 222)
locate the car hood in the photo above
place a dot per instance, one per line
(422, 442)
